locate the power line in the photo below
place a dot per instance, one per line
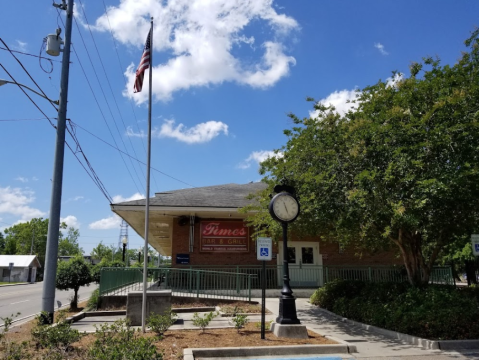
(37, 56)
(93, 176)
(109, 84)
(24, 119)
(121, 67)
(26, 71)
(107, 104)
(141, 162)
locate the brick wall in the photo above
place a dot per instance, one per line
(330, 252)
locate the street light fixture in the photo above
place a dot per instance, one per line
(3, 82)
(124, 241)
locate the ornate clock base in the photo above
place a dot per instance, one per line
(287, 311)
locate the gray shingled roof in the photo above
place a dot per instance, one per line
(227, 196)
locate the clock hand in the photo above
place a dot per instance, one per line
(286, 208)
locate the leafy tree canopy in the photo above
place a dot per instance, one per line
(400, 169)
(73, 274)
(68, 245)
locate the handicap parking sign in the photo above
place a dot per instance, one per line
(475, 244)
(264, 248)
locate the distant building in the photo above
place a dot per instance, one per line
(24, 268)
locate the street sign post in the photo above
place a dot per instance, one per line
(264, 248)
(475, 244)
(10, 267)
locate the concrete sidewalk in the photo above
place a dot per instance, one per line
(370, 346)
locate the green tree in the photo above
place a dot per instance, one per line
(68, 245)
(401, 169)
(2, 243)
(18, 240)
(73, 274)
(101, 252)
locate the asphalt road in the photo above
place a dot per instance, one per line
(27, 299)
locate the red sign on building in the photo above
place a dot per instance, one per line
(224, 236)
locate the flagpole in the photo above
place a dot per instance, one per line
(147, 205)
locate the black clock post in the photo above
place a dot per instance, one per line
(284, 207)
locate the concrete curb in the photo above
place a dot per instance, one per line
(5, 285)
(286, 350)
(193, 309)
(410, 339)
(105, 313)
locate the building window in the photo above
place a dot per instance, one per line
(341, 249)
(307, 255)
(6, 273)
(291, 255)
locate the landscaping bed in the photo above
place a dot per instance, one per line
(437, 312)
(170, 344)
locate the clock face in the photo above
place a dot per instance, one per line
(284, 207)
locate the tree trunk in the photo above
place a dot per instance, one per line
(74, 302)
(418, 270)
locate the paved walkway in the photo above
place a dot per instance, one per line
(370, 346)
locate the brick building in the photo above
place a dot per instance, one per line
(202, 227)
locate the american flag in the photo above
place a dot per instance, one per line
(144, 64)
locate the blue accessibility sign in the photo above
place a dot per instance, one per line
(264, 248)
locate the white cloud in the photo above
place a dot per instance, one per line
(339, 99)
(258, 157)
(71, 221)
(20, 45)
(15, 201)
(135, 196)
(201, 38)
(34, 178)
(381, 49)
(197, 134)
(111, 222)
(22, 179)
(200, 133)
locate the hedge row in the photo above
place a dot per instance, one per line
(438, 312)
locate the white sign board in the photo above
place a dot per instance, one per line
(264, 248)
(10, 266)
(475, 244)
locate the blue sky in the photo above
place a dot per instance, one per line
(226, 73)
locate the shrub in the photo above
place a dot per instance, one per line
(203, 321)
(240, 321)
(436, 312)
(57, 338)
(161, 323)
(94, 300)
(119, 341)
(10, 349)
(267, 325)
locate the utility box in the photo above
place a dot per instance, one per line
(157, 302)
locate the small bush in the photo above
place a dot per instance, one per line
(203, 321)
(436, 312)
(57, 338)
(161, 323)
(119, 341)
(240, 321)
(94, 300)
(267, 325)
(10, 349)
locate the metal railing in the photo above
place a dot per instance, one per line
(115, 281)
(236, 282)
(182, 282)
(310, 276)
